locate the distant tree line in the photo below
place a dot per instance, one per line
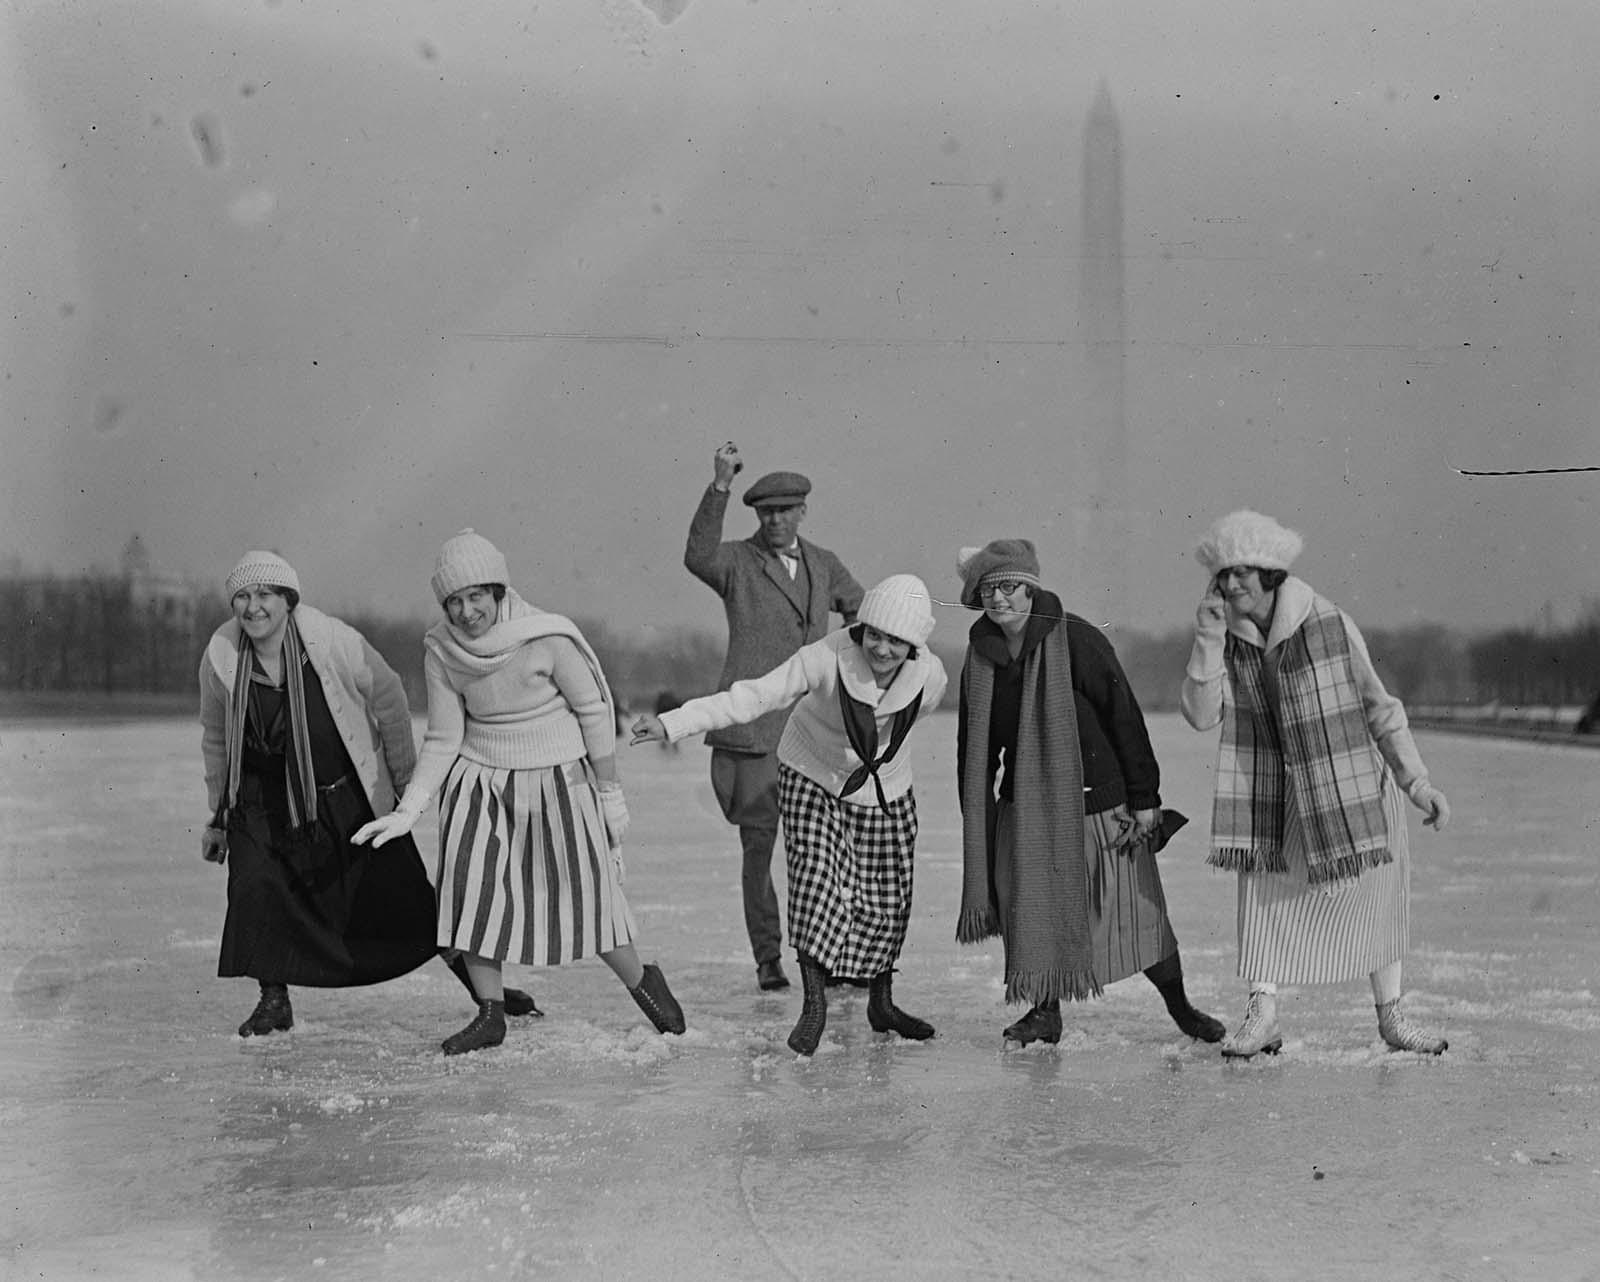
(124, 633)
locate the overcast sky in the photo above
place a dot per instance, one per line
(340, 280)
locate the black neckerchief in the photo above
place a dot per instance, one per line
(861, 729)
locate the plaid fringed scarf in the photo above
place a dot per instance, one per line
(1048, 945)
(297, 765)
(1295, 720)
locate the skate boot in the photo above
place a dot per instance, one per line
(1041, 1024)
(1402, 1035)
(814, 1009)
(655, 999)
(488, 1028)
(1259, 1032)
(272, 1014)
(885, 1017)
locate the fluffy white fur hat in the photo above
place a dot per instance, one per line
(1248, 538)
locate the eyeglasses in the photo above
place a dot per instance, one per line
(1001, 587)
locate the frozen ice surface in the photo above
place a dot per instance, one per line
(145, 1140)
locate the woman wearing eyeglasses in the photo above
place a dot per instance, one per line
(1061, 804)
(1313, 757)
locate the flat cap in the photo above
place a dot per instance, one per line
(778, 489)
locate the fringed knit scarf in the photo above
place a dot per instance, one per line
(1295, 721)
(301, 783)
(1047, 938)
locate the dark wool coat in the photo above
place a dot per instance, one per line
(770, 616)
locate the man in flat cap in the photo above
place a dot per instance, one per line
(777, 590)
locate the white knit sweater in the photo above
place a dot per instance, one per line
(814, 740)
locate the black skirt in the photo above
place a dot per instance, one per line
(308, 907)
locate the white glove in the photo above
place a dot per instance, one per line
(1211, 618)
(614, 810)
(1432, 803)
(397, 823)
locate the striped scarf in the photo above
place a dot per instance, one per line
(1047, 938)
(297, 763)
(1295, 723)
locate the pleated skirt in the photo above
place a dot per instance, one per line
(1129, 930)
(526, 873)
(1291, 932)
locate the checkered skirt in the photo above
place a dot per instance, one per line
(526, 873)
(849, 875)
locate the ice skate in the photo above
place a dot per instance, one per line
(885, 1017)
(1402, 1035)
(272, 1014)
(488, 1028)
(1041, 1024)
(1259, 1032)
(655, 999)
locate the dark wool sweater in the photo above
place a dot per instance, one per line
(1118, 763)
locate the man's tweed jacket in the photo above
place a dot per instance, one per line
(770, 616)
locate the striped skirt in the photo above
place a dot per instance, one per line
(1291, 932)
(1129, 930)
(526, 873)
(849, 876)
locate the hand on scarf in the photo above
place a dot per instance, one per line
(214, 845)
(614, 810)
(397, 823)
(1432, 803)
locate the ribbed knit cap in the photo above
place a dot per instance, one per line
(262, 570)
(901, 607)
(1248, 538)
(465, 560)
(994, 562)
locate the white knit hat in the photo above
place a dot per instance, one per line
(466, 560)
(899, 606)
(1248, 538)
(262, 570)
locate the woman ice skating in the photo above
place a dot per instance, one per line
(844, 787)
(306, 734)
(1312, 760)
(1061, 803)
(521, 753)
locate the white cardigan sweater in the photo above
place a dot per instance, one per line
(814, 740)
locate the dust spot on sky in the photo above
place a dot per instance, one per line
(109, 413)
(666, 11)
(252, 207)
(949, 146)
(206, 131)
(68, 309)
(997, 191)
(427, 51)
(656, 207)
(249, 90)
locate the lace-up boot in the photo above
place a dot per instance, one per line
(488, 1028)
(886, 1017)
(1403, 1035)
(272, 1014)
(1258, 1032)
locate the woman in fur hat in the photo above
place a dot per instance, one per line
(1312, 761)
(521, 754)
(306, 735)
(844, 791)
(1060, 802)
